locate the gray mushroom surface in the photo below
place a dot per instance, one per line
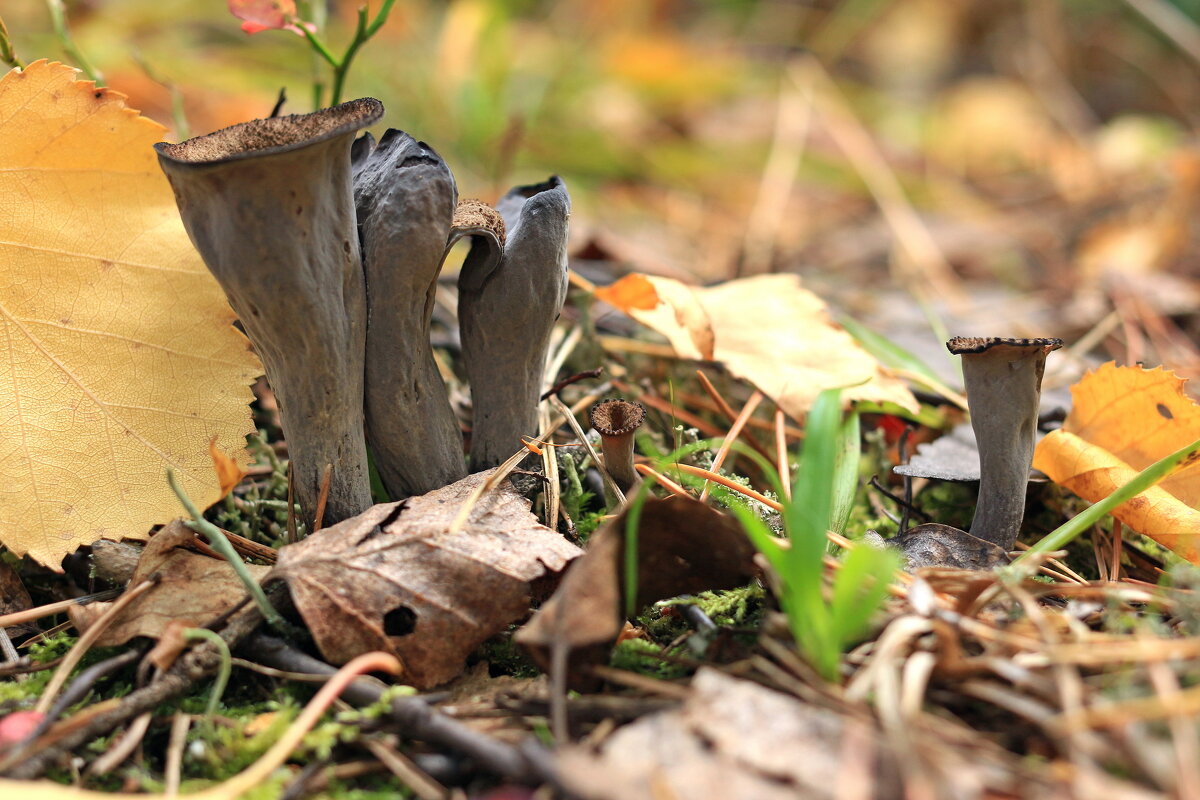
(507, 311)
(1003, 380)
(269, 205)
(405, 199)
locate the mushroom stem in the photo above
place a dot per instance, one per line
(507, 312)
(616, 421)
(405, 197)
(1003, 379)
(268, 204)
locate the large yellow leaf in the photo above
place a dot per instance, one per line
(118, 356)
(768, 330)
(1122, 420)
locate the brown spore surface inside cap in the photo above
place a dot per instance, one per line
(471, 214)
(616, 417)
(275, 133)
(971, 345)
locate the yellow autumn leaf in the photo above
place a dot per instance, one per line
(768, 330)
(1122, 420)
(121, 360)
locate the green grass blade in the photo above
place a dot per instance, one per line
(859, 591)
(807, 516)
(759, 535)
(886, 351)
(845, 473)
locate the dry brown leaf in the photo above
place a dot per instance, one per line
(683, 547)
(731, 738)
(124, 358)
(1122, 420)
(393, 579)
(476, 697)
(768, 330)
(936, 545)
(192, 589)
(14, 597)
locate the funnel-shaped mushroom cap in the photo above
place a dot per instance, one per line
(405, 197)
(485, 227)
(1003, 379)
(275, 135)
(616, 417)
(268, 204)
(507, 312)
(616, 420)
(1018, 348)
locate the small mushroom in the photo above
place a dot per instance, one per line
(507, 307)
(405, 198)
(1003, 380)
(269, 205)
(616, 420)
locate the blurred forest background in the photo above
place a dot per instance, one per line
(973, 167)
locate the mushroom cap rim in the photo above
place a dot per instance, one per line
(637, 415)
(974, 345)
(370, 113)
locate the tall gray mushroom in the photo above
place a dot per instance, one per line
(405, 198)
(269, 205)
(507, 311)
(1003, 379)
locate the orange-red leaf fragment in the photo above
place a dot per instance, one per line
(1123, 419)
(229, 470)
(634, 291)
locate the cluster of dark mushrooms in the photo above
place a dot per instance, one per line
(329, 249)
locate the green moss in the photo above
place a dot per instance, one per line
(642, 656)
(373, 787)
(23, 693)
(587, 524)
(736, 608)
(224, 751)
(505, 657)
(949, 502)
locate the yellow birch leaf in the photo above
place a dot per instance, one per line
(1122, 420)
(120, 359)
(768, 330)
(677, 313)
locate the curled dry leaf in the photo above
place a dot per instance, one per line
(192, 589)
(1122, 420)
(731, 738)
(768, 330)
(937, 545)
(393, 579)
(683, 547)
(124, 358)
